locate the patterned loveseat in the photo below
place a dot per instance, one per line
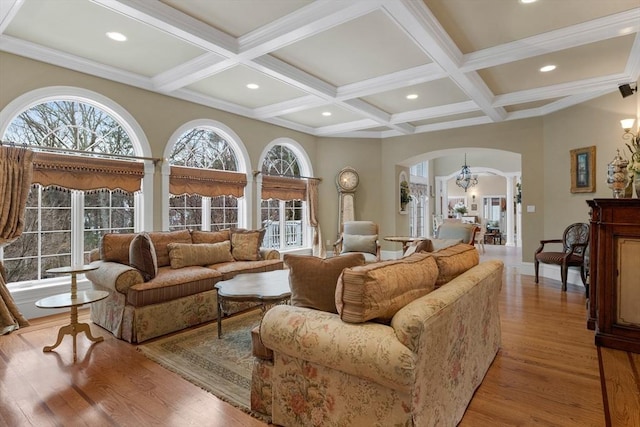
(418, 365)
(178, 291)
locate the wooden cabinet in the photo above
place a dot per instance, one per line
(614, 292)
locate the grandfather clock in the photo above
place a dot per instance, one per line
(347, 181)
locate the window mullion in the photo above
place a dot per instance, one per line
(206, 213)
(283, 224)
(77, 227)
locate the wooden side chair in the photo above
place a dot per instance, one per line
(575, 242)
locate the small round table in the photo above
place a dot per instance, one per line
(405, 240)
(73, 299)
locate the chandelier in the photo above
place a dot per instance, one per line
(465, 179)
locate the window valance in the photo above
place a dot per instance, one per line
(206, 182)
(283, 188)
(86, 173)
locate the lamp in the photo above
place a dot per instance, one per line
(627, 125)
(465, 179)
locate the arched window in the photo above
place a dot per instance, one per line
(82, 186)
(200, 196)
(283, 206)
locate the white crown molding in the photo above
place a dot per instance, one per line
(176, 23)
(191, 71)
(312, 19)
(346, 127)
(76, 63)
(565, 38)
(8, 11)
(399, 79)
(292, 106)
(435, 112)
(297, 78)
(561, 90)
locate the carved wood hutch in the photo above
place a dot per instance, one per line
(614, 290)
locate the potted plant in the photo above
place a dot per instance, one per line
(405, 197)
(460, 209)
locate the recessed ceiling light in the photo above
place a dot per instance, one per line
(253, 86)
(326, 113)
(547, 68)
(119, 37)
(412, 96)
(528, 1)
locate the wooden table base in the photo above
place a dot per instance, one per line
(73, 329)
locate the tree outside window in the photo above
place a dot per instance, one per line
(203, 148)
(55, 217)
(283, 219)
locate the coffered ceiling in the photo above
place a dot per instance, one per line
(344, 68)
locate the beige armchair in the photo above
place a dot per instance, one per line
(359, 237)
(458, 230)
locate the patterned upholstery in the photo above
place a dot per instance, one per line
(574, 245)
(421, 370)
(176, 298)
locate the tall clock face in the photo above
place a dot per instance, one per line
(348, 180)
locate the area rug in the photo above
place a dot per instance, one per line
(220, 366)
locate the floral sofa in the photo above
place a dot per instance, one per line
(166, 282)
(409, 345)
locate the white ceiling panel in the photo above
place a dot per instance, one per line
(430, 94)
(314, 118)
(607, 57)
(469, 61)
(479, 24)
(366, 47)
(79, 28)
(237, 17)
(231, 85)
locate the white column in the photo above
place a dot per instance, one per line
(510, 211)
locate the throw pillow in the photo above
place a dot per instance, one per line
(245, 244)
(377, 291)
(439, 244)
(161, 239)
(455, 260)
(198, 236)
(360, 243)
(187, 254)
(142, 256)
(114, 247)
(313, 280)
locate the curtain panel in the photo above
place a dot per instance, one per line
(283, 188)
(317, 246)
(86, 173)
(206, 182)
(16, 171)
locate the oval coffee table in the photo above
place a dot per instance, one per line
(268, 288)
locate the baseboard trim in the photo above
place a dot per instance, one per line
(551, 272)
(26, 298)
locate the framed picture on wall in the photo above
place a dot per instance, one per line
(583, 171)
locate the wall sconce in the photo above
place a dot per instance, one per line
(634, 146)
(627, 125)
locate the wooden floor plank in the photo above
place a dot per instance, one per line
(622, 387)
(546, 373)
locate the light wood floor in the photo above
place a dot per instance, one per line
(546, 373)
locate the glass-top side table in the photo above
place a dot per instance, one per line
(72, 299)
